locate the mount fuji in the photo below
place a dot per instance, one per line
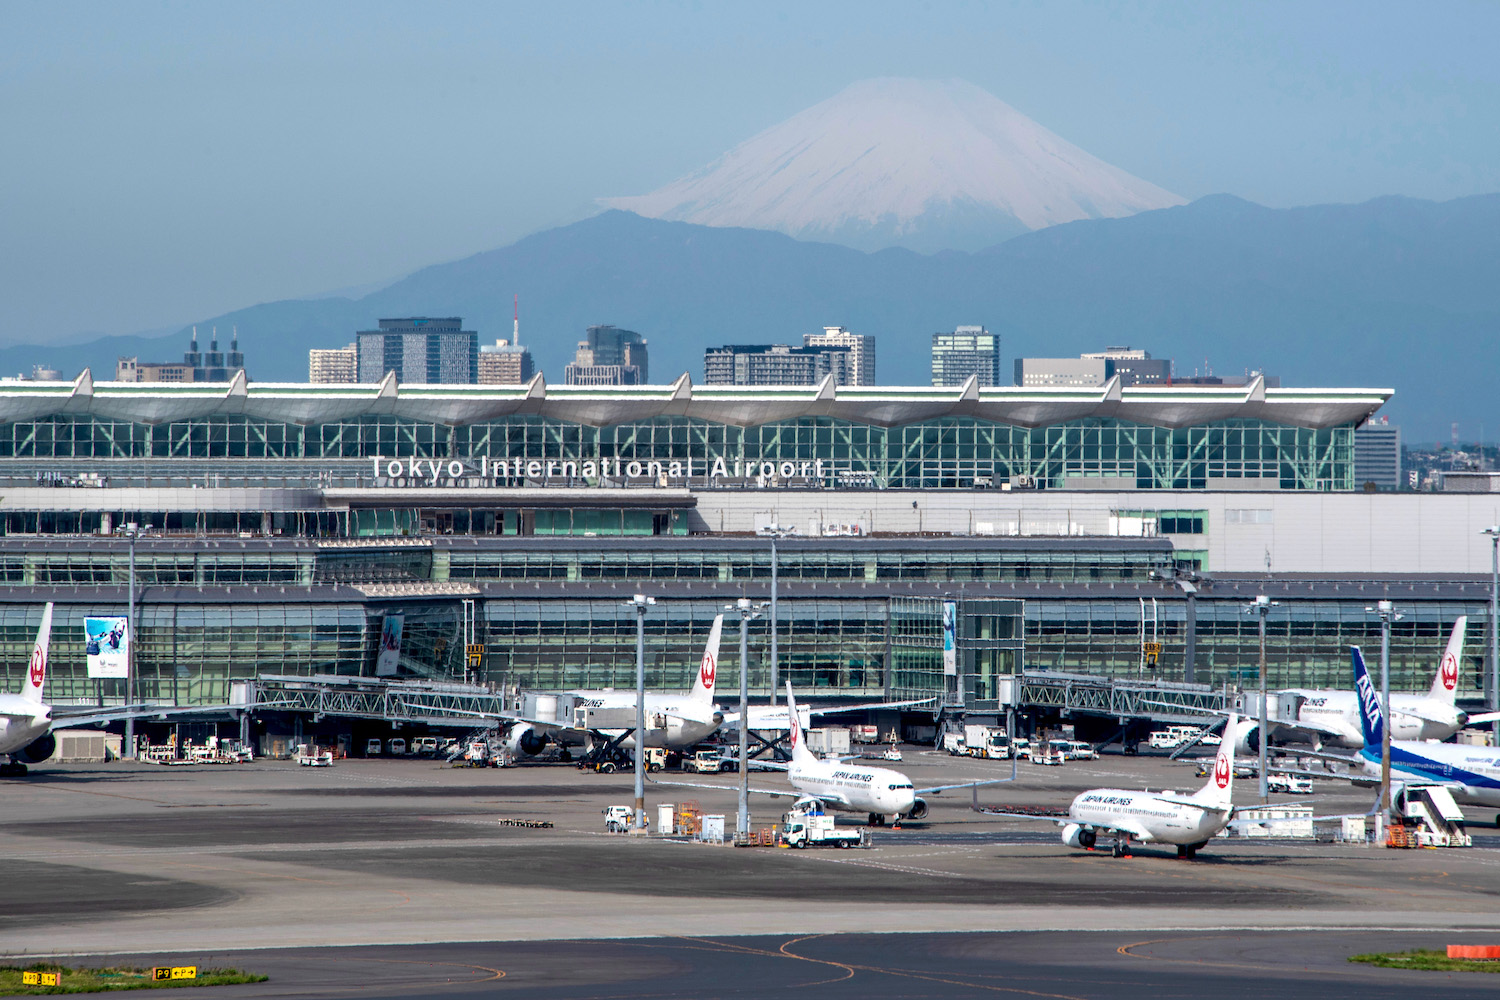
(926, 165)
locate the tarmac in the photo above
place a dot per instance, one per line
(305, 869)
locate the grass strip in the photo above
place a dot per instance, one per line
(1427, 960)
(108, 979)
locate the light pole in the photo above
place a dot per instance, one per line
(132, 532)
(1387, 615)
(1494, 706)
(747, 611)
(1261, 608)
(776, 532)
(640, 602)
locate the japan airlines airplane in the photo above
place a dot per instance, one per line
(673, 721)
(1188, 821)
(1471, 774)
(25, 721)
(1332, 718)
(882, 794)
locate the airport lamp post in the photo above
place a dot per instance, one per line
(747, 611)
(1494, 705)
(132, 532)
(1261, 608)
(1387, 615)
(776, 532)
(640, 603)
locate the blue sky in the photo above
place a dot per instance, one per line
(166, 162)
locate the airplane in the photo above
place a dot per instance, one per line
(1332, 717)
(25, 720)
(1471, 774)
(883, 794)
(1187, 821)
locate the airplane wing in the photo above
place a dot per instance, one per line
(783, 792)
(935, 789)
(1484, 717)
(775, 716)
(66, 715)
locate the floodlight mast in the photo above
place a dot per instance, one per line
(640, 602)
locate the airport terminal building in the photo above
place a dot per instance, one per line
(1071, 528)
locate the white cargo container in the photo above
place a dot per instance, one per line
(666, 818)
(712, 829)
(832, 739)
(864, 734)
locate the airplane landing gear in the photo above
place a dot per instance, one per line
(876, 819)
(1121, 849)
(1185, 852)
(12, 770)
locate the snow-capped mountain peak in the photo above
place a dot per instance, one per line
(895, 162)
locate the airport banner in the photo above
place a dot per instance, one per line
(950, 638)
(387, 661)
(106, 643)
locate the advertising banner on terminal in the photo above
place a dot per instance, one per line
(388, 659)
(106, 643)
(950, 638)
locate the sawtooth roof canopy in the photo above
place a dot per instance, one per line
(885, 406)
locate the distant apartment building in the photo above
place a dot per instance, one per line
(504, 363)
(419, 349)
(339, 364)
(608, 355)
(775, 364)
(1135, 367)
(212, 365)
(1377, 455)
(969, 351)
(861, 348)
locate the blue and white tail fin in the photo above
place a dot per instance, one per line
(708, 667)
(1445, 684)
(1218, 791)
(800, 753)
(36, 671)
(1371, 723)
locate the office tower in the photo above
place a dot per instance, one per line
(861, 349)
(775, 364)
(608, 356)
(967, 351)
(1377, 454)
(420, 349)
(340, 364)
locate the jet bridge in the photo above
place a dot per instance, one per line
(432, 703)
(1120, 698)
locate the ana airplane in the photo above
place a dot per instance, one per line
(1188, 821)
(882, 794)
(25, 721)
(1471, 774)
(1332, 717)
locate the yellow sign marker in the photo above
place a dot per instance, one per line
(41, 979)
(162, 972)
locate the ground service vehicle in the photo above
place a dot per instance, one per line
(799, 830)
(372, 748)
(617, 818)
(656, 758)
(706, 762)
(1078, 750)
(398, 747)
(425, 745)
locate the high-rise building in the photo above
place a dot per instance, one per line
(608, 355)
(1134, 366)
(212, 365)
(775, 364)
(1377, 454)
(339, 364)
(419, 349)
(967, 351)
(504, 363)
(861, 348)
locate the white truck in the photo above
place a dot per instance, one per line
(706, 762)
(813, 830)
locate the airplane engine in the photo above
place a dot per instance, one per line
(918, 809)
(36, 751)
(1246, 736)
(1074, 835)
(524, 740)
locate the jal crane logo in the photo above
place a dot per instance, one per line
(1221, 770)
(1448, 672)
(38, 667)
(707, 671)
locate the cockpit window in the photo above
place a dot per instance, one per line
(896, 787)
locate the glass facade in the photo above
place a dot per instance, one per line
(949, 452)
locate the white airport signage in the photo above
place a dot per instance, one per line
(431, 472)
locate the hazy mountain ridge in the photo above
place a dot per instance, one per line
(1390, 293)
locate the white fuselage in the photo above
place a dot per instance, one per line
(23, 722)
(1340, 710)
(1163, 821)
(1472, 774)
(673, 721)
(851, 788)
